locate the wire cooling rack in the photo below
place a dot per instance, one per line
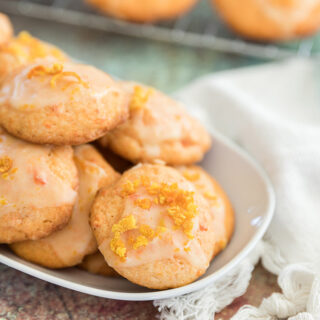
(200, 28)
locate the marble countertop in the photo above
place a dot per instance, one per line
(167, 67)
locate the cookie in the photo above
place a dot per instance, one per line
(159, 128)
(6, 29)
(220, 206)
(153, 227)
(143, 10)
(95, 263)
(25, 49)
(38, 188)
(60, 103)
(271, 19)
(118, 163)
(68, 246)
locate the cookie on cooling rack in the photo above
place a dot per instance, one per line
(269, 19)
(68, 246)
(158, 128)
(60, 103)
(143, 10)
(38, 188)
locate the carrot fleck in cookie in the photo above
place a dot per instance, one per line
(60, 103)
(220, 205)
(6, 29)
(25, 49)
(158, 128)
(68, 246)
(37, 189)
(143, 10)
(153, 227)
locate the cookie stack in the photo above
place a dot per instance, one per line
(158, 223)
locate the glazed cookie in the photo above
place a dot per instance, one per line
(153, 227)
(220, 206)
(6, 30)
(158, 128)
(143, 10)
(38, 188)
(67, 247)
(60, 103)
(25, 49)
(271, 19)
(95, 263)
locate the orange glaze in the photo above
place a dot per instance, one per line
(162, 238)
(55, 84)
(28, 180)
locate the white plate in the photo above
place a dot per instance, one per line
(252, 197)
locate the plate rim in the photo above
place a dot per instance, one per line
(194, 286)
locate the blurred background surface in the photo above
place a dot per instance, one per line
(195, 44)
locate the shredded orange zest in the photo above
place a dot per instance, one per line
(27, 107)
(140, 97)
(56, 71)
(27, 48)
(3, 201)
(116, 244)
(147, 231)
(5, 164)
(210, 195)
(9, 175)
(145, 181)
(176, 250)
(141, 241)
(154, 188)
(162, 223)
(68, 74)
(180, 203)
(191, 176)
(44, 71)
(180, 207)
(160, 230)
(128, 188)
(186, 249)
(143, 203)
(125, 224)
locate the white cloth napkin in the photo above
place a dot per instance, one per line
(273, 111)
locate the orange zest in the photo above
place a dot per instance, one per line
(191, 176)
(3, 201)
(143, 203)
(5, 164)
(27, 48)
(140, 97)
(116, 244)
(56, 71)
(179, 205)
